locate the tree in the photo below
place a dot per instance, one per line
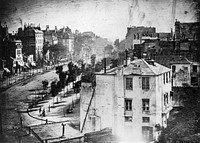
(58, 50)
(184, 122)
(93, 59)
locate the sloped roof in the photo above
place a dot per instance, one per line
(171, 59)
(140, 67)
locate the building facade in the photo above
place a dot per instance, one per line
(134, 35)
(50, 36)
(133, 100)
(33, 40)
(184, 72)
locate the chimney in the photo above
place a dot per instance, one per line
(126, 58)
(47, 27)
(55, 28)
(104, 65)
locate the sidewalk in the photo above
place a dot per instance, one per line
(49, 127)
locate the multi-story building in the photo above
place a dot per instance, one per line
(50, 36)
(32, 40)
(186, 39)
(133, 100)
(66, 38)
(184, 72)
(134, 35)
(187, 31)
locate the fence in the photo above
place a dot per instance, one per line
(16, 78)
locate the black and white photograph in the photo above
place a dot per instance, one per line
(99, 71)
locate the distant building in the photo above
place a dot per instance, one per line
(50, 36)
(33, 41)
(187, 31)
(134, 35)
(184, 71)
(10, 51)
(133, 100)
(186, 40)
(66, 38)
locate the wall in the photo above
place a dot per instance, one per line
(108, 104)
(134, 35)
(182, 74)
(39, 41)
(102, 104)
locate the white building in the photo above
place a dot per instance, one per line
(184, 72)
(39, 42)
(134, 101)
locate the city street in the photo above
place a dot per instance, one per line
(21, 105)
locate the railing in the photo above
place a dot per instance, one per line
(16, 78)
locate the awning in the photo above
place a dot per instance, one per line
(6, 70)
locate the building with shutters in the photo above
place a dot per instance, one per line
(133, 100)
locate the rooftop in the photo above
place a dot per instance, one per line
(172, 59)
(140, 67)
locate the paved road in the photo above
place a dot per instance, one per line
(17, 98)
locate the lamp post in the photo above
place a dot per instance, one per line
(63, 130)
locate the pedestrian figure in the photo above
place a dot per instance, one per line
(43, 113)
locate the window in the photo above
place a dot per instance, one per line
(18, 51)
(194, 81)
(134, 36)
(145, 119)
(145, 83)
(128, 104)
(145, 104)
(128, 118)
(164, 78)
(173, 69)
(194, 68)
(165, 98)
(129, 83)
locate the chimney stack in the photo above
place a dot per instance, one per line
(47, 27)
(104, 65)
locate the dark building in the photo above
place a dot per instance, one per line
(186, 31)
(134, 35)
(32, 40)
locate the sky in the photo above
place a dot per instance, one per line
(106, 18)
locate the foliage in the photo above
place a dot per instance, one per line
(58, 50)
(98, 66)
(184, 122)
(89, 77)
(108, 50)
(93, 59)
(72, 73)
